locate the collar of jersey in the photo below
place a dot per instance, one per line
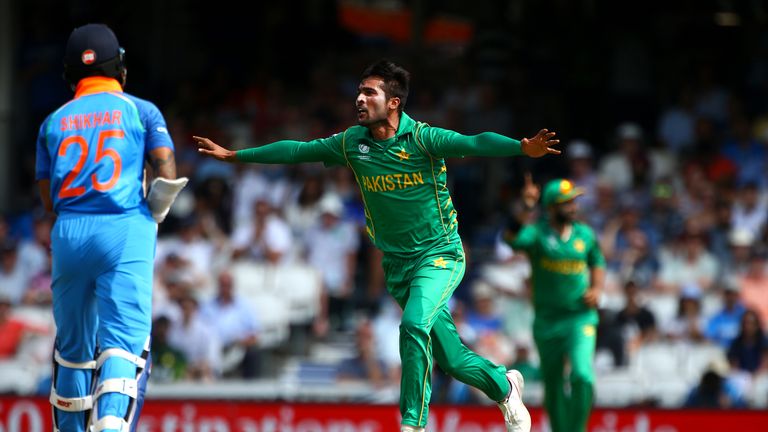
(405, 127)
(97, 84)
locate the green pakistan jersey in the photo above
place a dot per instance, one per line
(408, 207)
(560, 270)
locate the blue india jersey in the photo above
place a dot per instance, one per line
(93, 148)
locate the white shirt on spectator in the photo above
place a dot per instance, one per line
(14, 283)
(277, 237)
(753, 220)
(676, 269)
(233, 321)
(328, 250)
(199, 253)
(252, 186)
(197, 341)
(33, 257)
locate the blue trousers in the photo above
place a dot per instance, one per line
(102, 297)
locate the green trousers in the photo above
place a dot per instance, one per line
(422, 288)
(561, 341)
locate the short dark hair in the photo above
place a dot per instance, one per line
(396, 79)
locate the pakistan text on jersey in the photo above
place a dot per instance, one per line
(390, 182)
(563, 266)
(91, 120)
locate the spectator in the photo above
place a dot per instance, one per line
(168, 363)
(610, 341)
(194, 338)
(677, 123)
(637, 323)
(636, 261)
(303, 212)
(233, 320)
(343, 184)
(582, 173)
(689, 324)
(38, 292)
(745, 152)
(754, 285)
(486, 323)
(723, 327)
(14, 278)
(193, 251)
(387, 335)
(630, 166)
(689, 262)
(750, 209)
(332, 246)
(708, 160)
(252, 185)
(734, 264)
(523, 361)
(714, 390)
(749, 351)
(696, 194)
(606, 207)
(664, 214)
(366, 364)
(629, 227)
(173, 279)
(34, 255)
(266, 239)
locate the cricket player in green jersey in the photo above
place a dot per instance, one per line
(567, 273)
(400, 168)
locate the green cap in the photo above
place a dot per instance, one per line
(559, 191)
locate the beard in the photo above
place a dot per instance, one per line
(370, 118)
(562, 217)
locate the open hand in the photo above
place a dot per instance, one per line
(540, 145)
(210, 148)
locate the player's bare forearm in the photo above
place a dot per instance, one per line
(597, 277)
(163, 163)
(45, 194)
(210, 148)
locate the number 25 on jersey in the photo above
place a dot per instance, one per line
(70, 191)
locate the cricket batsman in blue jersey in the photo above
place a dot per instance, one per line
(91, 154)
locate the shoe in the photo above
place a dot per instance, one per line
(405, 428)
(516, 416)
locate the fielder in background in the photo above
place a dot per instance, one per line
(567, 273)
(400, 167)
(91, 154)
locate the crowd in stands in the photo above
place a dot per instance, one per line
(680, 204)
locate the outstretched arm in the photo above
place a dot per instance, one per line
(326, 150)
(445, 143)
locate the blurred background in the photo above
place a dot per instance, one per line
(266, 285)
